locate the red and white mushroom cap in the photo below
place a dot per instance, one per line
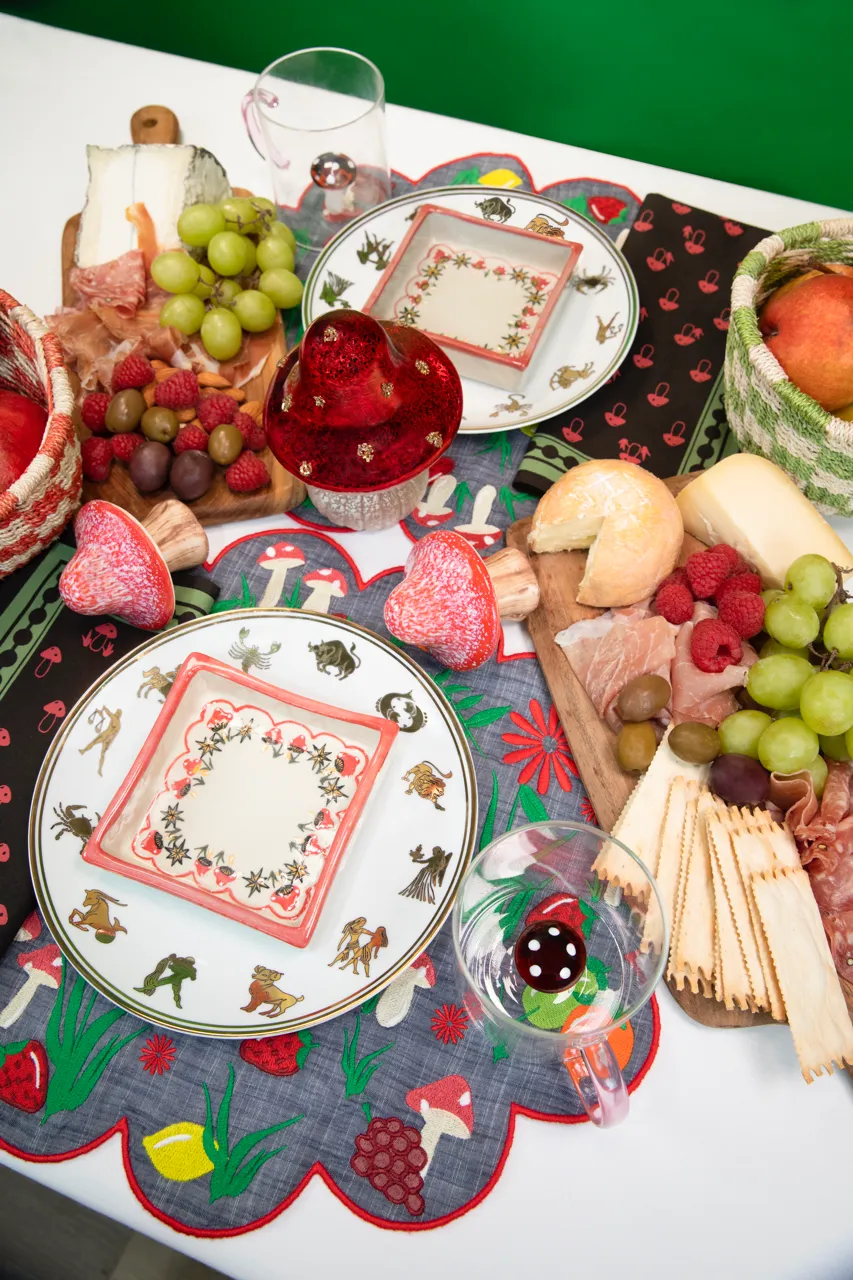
(117, 569)
(446, 603)
(425, 965)
(327, 578)
(451, 1095)
(280, 553)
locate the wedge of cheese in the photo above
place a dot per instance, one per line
(163, 178)
(756, 508)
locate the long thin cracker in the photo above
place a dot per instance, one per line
(733, 976)
(684, 858)
(814, 1002)
(668, 864)
(693, 960)
(754, 853)
(722, 848)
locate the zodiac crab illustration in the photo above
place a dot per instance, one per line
(588, 282)
(75, 823)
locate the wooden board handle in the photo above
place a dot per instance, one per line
(154, 124)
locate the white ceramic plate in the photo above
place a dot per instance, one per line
(588, 335)
(145, 949)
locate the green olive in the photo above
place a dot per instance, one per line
(643, 698)
(125, 411)
(160, 424)
(694, 742)
(635, 746)
(225, 444)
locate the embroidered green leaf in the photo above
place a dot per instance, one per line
(465, 177)
(487, 716)
(370, 1005)
(599, 971)
(515, 909)
(231, 1176)
(463, 493)
(488, 831)
(70, 1042)
(533, 807)
(499, 1051)
(357, 1071)
(509, 498)
(588, 918)
(244, 601)
(470, 701)
(292, 601)
(501, 442)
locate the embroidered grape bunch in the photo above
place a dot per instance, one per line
(390, 1156)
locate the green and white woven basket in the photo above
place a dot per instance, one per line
(767, 413)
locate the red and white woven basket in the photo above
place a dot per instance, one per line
(37, 507)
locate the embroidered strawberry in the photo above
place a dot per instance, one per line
(561, 907)
(605, 208)
(279, 1055)
(23, 1075)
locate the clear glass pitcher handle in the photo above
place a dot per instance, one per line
(250, 119)
(595, 1074)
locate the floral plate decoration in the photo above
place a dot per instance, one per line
(177, 821)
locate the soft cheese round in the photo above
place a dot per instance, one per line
(625, 516)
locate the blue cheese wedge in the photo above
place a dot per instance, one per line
(164, 178)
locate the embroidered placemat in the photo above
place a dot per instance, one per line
(663, 407)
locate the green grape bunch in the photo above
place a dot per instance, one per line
(238, 275)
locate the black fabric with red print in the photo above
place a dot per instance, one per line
(658, 409)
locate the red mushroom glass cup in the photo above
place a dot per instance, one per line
(557, 956)
(360, 411)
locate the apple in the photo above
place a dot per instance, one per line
(22, 424)
(809, 329)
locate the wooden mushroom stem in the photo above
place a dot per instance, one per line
(515, 584)
(178, 534)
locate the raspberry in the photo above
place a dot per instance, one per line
(732, 557)
(678, 576)
(124, 446)
(705, 571)
(257, 438)
(190, 437)
(97, 458)
(744, 611)
(214, 410)
(244, 424)
(739, 582)
(93, 411)
(675, 603)
(246, 474)
(134, 372)
(715, 645)
(178, 391)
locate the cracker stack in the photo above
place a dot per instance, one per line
(744, 926)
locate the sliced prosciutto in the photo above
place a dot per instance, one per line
(704, 696)
(119, 284)
(606, 657)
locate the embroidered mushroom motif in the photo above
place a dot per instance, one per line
(30, 929)
(432, 511)
(396, 1000)
(479, 532)
(43, 969)
(53, 712)
(278, 560)
(446, 1108)
(326, 585)
(48, 657)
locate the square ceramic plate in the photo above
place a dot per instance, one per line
(235, 775)
(483, 292)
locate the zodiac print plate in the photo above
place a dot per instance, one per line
(177, 822)
(589, 332)
(168, 960)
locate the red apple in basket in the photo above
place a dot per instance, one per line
(22, 424)
(809, 329)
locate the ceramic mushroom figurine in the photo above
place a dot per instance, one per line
(451, 601)
(43, 968)
(446, 1109)
(396, 1000)
(360, 411)
(278, 560)
(122, 567)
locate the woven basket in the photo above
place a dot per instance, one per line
(41, 502)
(768, 414)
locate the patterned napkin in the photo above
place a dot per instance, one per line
(48, 657)
(663, 408)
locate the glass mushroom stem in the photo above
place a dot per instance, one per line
(372, 510)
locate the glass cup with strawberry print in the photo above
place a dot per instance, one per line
(557, 956)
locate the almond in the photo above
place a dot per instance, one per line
(165, 371)
(236, 393)
(185, 415)
(255, 410)
(149, 393)
(160, 364)
(213, 380)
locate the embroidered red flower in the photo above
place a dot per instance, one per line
(542, 745)
(158, 1055)
(449, 1024)
(588, 813)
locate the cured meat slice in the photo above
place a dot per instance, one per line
(636, 647)
(119, 284)
(704, 696)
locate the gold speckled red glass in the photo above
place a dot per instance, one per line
(362, 404)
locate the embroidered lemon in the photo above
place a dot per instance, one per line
(177, 1152)
(500, 178)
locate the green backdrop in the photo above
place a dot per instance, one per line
(752, 91)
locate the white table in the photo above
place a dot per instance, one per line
(729, 1165)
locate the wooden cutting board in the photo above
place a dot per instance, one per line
(219, 504)
(592, 743)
